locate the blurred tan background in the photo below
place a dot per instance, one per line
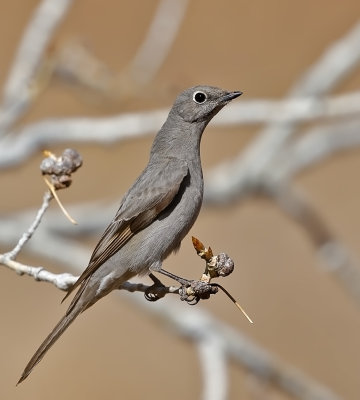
(301, 314)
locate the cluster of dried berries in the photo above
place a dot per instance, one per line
(196, 291)
(61, 168)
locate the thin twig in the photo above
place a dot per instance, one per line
(28, 234)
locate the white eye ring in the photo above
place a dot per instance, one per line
(199, 97)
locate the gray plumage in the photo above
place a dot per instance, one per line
(155, 214)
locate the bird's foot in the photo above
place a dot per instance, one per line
(191, 291)
(155, 291)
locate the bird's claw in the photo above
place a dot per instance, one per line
(155, 291)
(151, 296)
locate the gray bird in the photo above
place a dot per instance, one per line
(155, 214)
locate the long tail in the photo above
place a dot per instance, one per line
(50, 340)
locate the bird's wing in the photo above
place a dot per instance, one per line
(153, 191)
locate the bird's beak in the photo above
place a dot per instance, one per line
(230, 96)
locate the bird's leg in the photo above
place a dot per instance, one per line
(156, 280)
(151, 293)
(182, 281)
(185, 283)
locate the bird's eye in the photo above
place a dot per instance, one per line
(199, 97)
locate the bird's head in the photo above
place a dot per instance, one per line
(201, 103)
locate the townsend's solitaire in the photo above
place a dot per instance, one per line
(155, 214)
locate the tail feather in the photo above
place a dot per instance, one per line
(80, 303)
(50, 340)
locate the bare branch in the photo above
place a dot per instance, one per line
(158, 40)
(50, 132)
(337, 259)
(273, 159)
(337, 62)
(61, 281)
(75, 62)
(17, 91)
(244, 172)
(192, 291)
(213, 362)
(16, 148)
(314, 146)
(196, 325)
(65, 280)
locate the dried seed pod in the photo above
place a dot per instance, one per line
(224, 265)
(202, 289)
